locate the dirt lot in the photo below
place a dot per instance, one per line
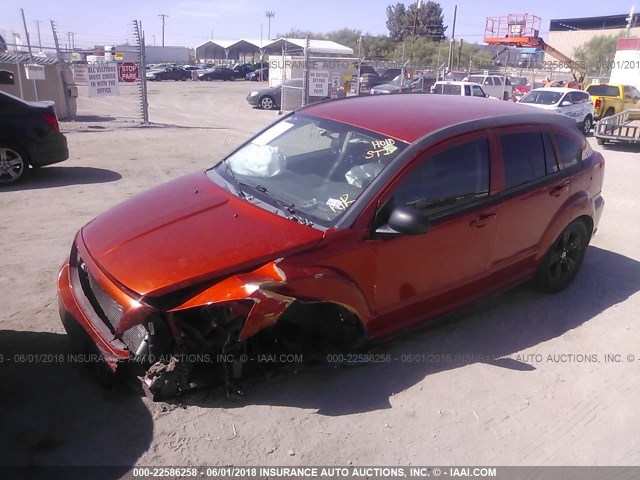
(553, 401)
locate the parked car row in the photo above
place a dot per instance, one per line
(209, 72)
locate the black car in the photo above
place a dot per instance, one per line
(29, 136)
(219, 73)
(390, 73)
(258, 75)
(169, 73)
(269, 98)
(242, 69)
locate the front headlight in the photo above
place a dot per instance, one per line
(254, 93)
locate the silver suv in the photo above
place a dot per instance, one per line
(497, 86)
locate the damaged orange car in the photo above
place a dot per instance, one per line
(345, 222)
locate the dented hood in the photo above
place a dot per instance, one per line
(185, 232)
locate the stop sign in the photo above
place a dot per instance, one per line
(128, 72)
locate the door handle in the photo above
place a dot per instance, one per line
(481, 220)
(559, 190)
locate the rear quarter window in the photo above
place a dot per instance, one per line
(569, 149)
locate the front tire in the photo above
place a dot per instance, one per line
(14, 165)
(505, 96)
(564, 259)
(586, 125)
(267, 103)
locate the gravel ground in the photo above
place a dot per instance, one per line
(553, 399)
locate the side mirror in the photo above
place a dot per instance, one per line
(405, 221)
(566, 103)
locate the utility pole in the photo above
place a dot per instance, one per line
(26, 34)
(163, 17)
(453, 36)
(629, 20)
(71, 39)
(269, 15)
(415, 18)
(39, 38)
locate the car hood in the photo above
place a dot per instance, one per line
(186, 232)
(540, 105)
(388, 87)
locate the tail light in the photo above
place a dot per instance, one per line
(587, 151)
(598, 103)
(52, 120)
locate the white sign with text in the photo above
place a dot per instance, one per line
(103, 79)
(318, 83)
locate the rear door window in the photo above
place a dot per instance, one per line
(524, 158)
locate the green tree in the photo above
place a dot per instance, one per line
(297, 33)
(396, 20)
(345, 36)
(597, 54)
(425, 20)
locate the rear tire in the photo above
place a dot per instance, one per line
(564, 258)
(601, 141)
(14, 164)
(610, 111)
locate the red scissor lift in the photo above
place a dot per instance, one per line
(523, 30)
(513, 30)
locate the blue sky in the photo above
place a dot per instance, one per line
(190, 22)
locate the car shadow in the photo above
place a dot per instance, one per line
(48, 177)
(91, 118)
(622, 147)
(499, 326)
(55, 414)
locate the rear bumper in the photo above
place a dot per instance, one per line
(53, 150)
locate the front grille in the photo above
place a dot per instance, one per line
(133, 337)
(110, 311)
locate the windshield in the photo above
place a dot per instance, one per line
(518, 81)
(603, 90)
(316, 166)
(447, 89)
(541, 97)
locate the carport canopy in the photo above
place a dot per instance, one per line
(227, 49)
(316, 47)
(234, 49)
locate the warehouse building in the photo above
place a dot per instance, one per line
(568, 34)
